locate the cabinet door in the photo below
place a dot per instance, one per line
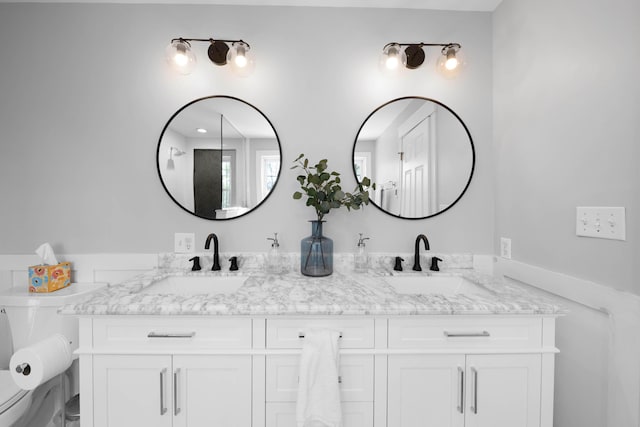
(426, 391)
(212, 391)
(132, 391)
(503, 390)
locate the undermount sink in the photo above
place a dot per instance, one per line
(444, 285)
(195, 285)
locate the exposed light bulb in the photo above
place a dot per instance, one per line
(392, 62)
(452, 62)
(241, 59)
(392, 57)
(180, 57)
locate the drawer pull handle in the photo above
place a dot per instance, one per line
(466, 334)
(176, 335)
(301, 335)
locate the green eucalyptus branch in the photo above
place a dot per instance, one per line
(323, 189)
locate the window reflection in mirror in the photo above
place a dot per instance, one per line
(218, 157)
(419, 153)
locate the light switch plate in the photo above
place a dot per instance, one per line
(505, 247)
(601, 222)
(184, 243)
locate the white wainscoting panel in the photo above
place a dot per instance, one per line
(598, 368)
(109, 268)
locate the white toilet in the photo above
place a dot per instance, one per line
(25, 319)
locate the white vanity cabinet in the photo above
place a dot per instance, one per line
(148, 372)
(395, 371)
(355, 376)
(469, 371)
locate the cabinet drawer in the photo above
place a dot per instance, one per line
(355, 377)
(354, 414)
(158, 333)
(465, 332)
(289, 333)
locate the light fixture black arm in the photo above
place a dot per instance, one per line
(211, 40)
(444, 45)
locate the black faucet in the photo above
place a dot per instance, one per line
(216, 260)
(416, 257)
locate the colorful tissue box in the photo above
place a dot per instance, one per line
(49, 278)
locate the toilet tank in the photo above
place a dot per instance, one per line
(34, 317)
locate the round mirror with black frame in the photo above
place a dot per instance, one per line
(419, 153)
(219, 157)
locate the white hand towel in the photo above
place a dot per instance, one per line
(318, 402)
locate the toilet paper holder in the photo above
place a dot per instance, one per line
(23, 368)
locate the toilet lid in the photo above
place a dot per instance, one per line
(10, 393)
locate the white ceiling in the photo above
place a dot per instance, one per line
(460, 5)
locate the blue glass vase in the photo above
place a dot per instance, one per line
(316, 253)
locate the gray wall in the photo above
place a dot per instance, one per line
(86, 93)
(566, 132)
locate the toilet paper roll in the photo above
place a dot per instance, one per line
(38, 363)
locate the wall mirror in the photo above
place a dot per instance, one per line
(219, 157)
(419, 153)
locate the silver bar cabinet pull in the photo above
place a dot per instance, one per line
(466, 334)
(460, 407)
(301, 335)
(171, 335)
(474, 408)
(176, 399)
(163, 406)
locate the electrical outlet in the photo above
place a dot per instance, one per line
(601, 222)
(184, 243)
(505, 248)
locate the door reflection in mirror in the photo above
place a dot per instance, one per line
(230, 158)
(419, 152)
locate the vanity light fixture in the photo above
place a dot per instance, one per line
(412, 56)
(221, 52)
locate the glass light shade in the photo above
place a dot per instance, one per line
(240, 59)
(180, 57)
(450, 62)
(393, 57)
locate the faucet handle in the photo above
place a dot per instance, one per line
(196, 263)
(434, 264)
(234, 263)
(398, 265)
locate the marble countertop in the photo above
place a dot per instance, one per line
(294, 294)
